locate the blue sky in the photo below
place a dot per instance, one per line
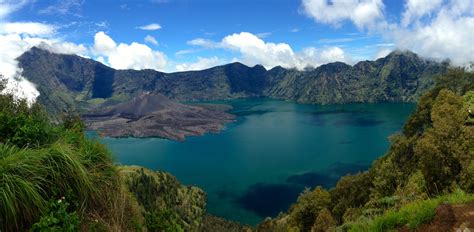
(192, 34)
(280, 21)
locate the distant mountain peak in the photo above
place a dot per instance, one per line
(398, 53)
(402, 53)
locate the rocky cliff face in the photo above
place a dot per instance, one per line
(399, 77)
(72, 81)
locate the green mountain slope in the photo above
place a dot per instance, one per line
(68, 81)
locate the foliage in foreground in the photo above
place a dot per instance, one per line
(41, 162)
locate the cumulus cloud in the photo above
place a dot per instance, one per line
(151, 27)
(103, 44)
(448, 33)
(437, 29)
(127, 56)
(200, 64)
(150, 39)
(253, 50)
(363, 13)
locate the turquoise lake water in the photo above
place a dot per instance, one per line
(259, 164)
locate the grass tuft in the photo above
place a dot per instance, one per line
(412, 214)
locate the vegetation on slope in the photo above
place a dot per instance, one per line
(431, 161)
(54, 178)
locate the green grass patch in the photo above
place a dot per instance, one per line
(412, 214)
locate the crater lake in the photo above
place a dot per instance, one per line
(259, 164)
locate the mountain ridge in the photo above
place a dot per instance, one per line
(70, 81)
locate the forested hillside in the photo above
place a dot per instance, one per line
(430, 162)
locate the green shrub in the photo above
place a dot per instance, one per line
(164, 220)
(58, 218)
(304, 213)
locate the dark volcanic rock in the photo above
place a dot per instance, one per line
(154, 115)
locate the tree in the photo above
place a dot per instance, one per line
(324, 222)
(304, 212)
(469, 107)
(23, 125)
(351, 191)
(439, 147)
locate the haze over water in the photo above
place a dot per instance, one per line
(259, 164)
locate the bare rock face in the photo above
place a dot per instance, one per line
(154, 115)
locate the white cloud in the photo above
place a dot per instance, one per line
(61, 47)
(363, 13)
(185, 52)
(103, 44)
(256, 51)
(263, 35)
(202, 63)
(9, 6)
(382, 53)
(103, 24)
(150, 39)
(64, 7)
(30, 28)
(206, 43)
(151, 27)
(447, 34)
(253, 50)
(294, 30)
(15, 40)
(437, 29)
(127, 56)
(415, 9)
(13, 46)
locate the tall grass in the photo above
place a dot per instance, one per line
(29, 178)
